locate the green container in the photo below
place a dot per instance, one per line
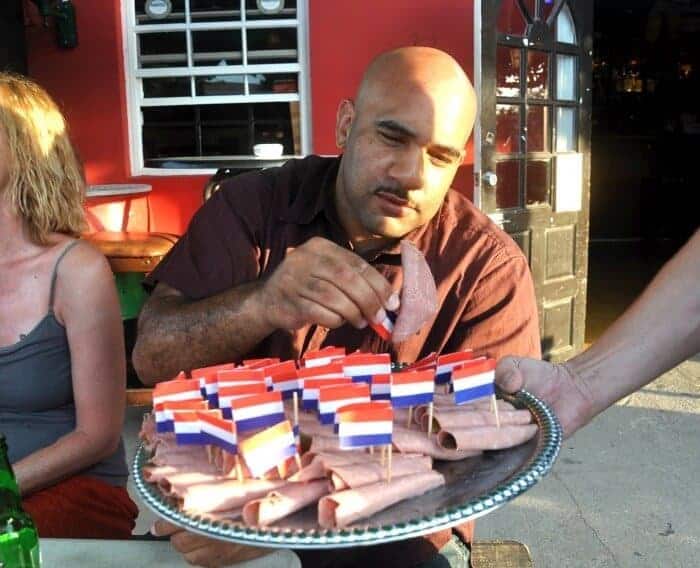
(131, 294)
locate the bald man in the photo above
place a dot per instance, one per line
(291, 259)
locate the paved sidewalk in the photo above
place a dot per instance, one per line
(624, 492)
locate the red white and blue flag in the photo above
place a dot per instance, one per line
(257, 363)
(381, 387)
(330, 398)
(187, 428)
(175, 390)
(411, 388)
(269, 448)
(202, 373)
(164, 411)
(427, 362)
(309, 397)
(228, 394)
(286, 381)
(474, 380)
(257, 411)
(447, 362)
(330, 372)
(218, 431)
(277, 369)
(323, 357)
(385, 328)
(365, 424)
(361, 367)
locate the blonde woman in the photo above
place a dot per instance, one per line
(62, 368)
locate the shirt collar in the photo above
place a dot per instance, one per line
(311, 202)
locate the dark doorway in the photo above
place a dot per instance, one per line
(13, 55)
(645, 144)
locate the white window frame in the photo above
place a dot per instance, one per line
(135, 100)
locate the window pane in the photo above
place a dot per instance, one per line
(215, 11)
(510, 19)
(217, 47)
(508, 72)
(220, 85)
(226, 130)
(176, 15)
(566, 77)
(167, 49)
(507, 129)
(537, 74)
(538, 182)
(566, 32)
(566, 130)
(272, 83)
(169, 131)
(272, 46)
(507, 192)
(289, 10)
(166, 87)
(537, 128)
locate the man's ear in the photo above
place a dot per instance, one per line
(343, 122)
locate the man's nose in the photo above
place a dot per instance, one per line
(409, 169)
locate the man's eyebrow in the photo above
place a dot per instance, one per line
(405, 131)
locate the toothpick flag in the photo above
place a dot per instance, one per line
(278, 369)
(309, 400)
(175, 390)
(257, 363)
(258, 411)
(385, 328)
(447, 362)
(240, 376)
(268, 448)
(164, 411)
(381, 387)
(325, 356)
(474, 380)
(286, 381)
(364, 425)
(187, 427)
(412, 388)
(228, 394)
(330, 398)
(218, 431)
(361, 367)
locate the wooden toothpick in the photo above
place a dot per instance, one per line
(430, 419)
(495, 410)
(410, 417)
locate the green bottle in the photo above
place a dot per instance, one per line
(19, 540)
(66, 24)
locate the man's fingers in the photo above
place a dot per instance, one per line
(164, 528)
(508, 376)
(328, 295)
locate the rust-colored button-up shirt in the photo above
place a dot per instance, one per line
(485, 290)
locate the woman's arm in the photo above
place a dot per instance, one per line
(86, 303)
(660, 330)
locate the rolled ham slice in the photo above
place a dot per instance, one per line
(485, 437)
(325, 444)
(283, 502)
(165, 454)
(419, 301)
(475, 418)
(449, 406)
(345, 507)
(318, 467)
(156, 473)
(224, 495)
(176, 485)
(352, 476)
(415, 441)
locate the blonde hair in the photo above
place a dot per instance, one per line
(46, 182)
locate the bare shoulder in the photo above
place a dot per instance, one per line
(84, 282)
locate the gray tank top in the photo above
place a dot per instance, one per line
(36, 393)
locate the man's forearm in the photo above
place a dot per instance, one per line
(175, 334)
(660, 330)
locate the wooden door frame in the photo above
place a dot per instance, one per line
(517, 220)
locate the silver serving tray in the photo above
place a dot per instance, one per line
(473, 487)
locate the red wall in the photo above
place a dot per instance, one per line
(88, 81)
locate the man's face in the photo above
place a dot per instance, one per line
(401, 153)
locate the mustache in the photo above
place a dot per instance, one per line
(396, 191)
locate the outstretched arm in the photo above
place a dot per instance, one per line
(660, 330)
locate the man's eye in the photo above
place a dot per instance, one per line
(390, 138)
(441, 161)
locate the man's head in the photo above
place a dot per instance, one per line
(403, 138)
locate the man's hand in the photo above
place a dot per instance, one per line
(322, 283)
(557, 385)
(202, 551)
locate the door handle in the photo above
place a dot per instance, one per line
(490, 179)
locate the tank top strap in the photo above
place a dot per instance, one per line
(55, 272)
